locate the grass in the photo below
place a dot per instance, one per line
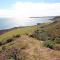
(26, 47)
(20, 31)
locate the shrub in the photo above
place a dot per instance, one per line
(26, 34)
(57, 47)
(1, 43)
(3, 47)
(17, 36)
(9, 40)
(57, 41)
(15, 54)
(49, 43)
(31, 36)
(41, 34)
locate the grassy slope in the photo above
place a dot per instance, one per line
(28, 48)
(24, 30)
(54, 28)
(17, 31)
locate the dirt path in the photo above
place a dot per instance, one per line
(33, 49)
(28, 48)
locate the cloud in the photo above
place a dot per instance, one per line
(21, 11)
(29, 9)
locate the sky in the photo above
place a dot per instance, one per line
(7, 3)
(21, 10)
(27, 8)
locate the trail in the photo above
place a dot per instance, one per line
(28, 48)
(34, 49)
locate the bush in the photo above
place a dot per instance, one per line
(3, 47)
(0, 43)
(57, 41)
(40, 34)
(49, 43)
(31, 36)
(57, 47)
(17, 36)
(9, 40)
(26, 34)
(6, 41)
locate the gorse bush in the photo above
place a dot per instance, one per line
(0, 43)
(17, 36)
(31, 36)
(6, 41)
(57, 41)
(3, 47)
(49, 44)
(44, 35)
(9, 40)
(41, 34)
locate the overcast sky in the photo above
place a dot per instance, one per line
(20, 10)
(27, 8)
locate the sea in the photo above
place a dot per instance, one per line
(6, 23)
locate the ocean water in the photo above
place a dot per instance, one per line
(6, 23)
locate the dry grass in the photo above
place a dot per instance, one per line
(20, 31)
(29, 48)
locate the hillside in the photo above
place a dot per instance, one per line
(4, 31)
(27, 48)
(49, 33)
(7, 30)
(39, 42)
(54, 28)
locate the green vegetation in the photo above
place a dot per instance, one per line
(50, 34)
(49, 44)
(17, 36)
(18, 31)
(40, 42)
(44, 35)
(41, 34)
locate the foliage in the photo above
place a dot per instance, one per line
(18, 31)
(17, 36)
(49, 44)
(41, 34)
